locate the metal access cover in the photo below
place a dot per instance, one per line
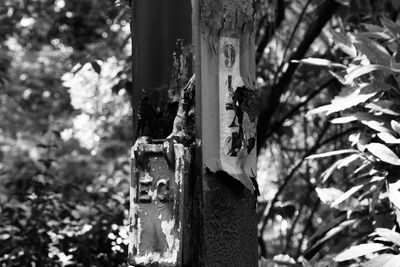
(157, 203)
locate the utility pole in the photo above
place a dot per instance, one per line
(193, 188)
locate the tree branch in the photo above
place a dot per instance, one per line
(277, 125)
(292, 36)
(272, 96)
(270, 29)
(307, 226)
(269, 208)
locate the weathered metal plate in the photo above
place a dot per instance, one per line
(157, 204)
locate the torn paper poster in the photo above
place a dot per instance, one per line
(237, 118)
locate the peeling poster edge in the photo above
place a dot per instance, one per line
(237, 131)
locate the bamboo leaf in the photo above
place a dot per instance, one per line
(373, 27)
(344, 43)
(332, 232)
(388, 138)
(384, 106)
(393, 28)
(357, 72)
(358, 251)
(390, 235)
(383, 153)
(328, 195)
(337, 165)
(374, 51)
(347, 98)
(332, 153)
(395, 126)
(346, 195)
(383, 36)
(319, 62)
(394, 194)
(347, 160)
(378, 126)
(382, 260)
(342, 120)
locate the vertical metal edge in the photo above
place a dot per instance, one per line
(133, 202)
(180, 177)
(135, 70)
(196, 176)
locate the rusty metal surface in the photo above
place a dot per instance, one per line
(157, 203)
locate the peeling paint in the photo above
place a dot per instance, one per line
(167, 227)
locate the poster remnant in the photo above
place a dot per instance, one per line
(237, 123)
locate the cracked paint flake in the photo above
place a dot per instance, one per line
(166, 227)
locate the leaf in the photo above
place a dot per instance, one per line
(328, 225)
(346, 195)
(393, 28)
(373, 27)
(397, 55)
(381, 260)
(338, 77)
(394, 194)
(395, 126)
(344, 43)
(384, 106)
(342, 120)
(319, 62)
(357, 72)
(377, 123)
(4, 236)
(383, 153)
(343, 2)
(328, 195)
(394, 261)
(378, 126)
(347, 98)
(382, 36)
(374, 51)
(388, 138)
(390, 235)
(358, 251)
(347, 160)
(328, 172)
(331, 233)
(332, 153)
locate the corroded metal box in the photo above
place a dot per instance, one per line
(158, 202)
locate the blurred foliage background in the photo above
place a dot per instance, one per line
(66, 130)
